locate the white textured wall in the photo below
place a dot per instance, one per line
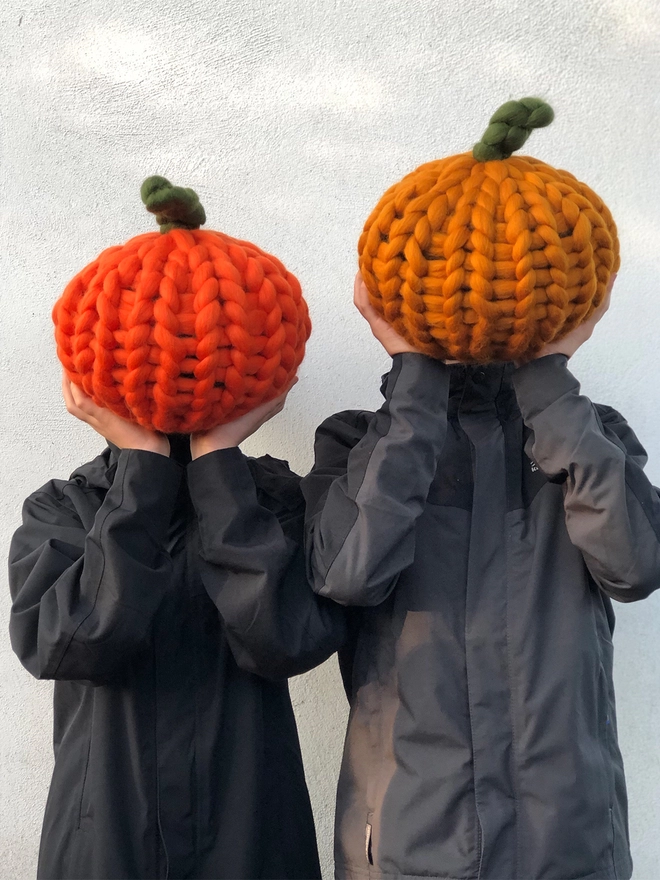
(290, 119)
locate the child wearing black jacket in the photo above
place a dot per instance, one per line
(170, 759)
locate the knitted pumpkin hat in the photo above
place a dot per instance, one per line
(485, 256)
(183, 329)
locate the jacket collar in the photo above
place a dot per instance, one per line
(481, 387)
(474, 387)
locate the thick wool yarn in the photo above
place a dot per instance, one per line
(486, 257)
(183, 329)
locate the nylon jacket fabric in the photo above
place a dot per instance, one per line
(171, 761)
(481, 521)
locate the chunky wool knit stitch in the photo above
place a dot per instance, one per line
(485, 256)
(184, 329)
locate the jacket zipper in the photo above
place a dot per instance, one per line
(191, 545)
(480, 846)
(161, 835)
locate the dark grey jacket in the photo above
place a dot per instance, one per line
(170, 759)
(483, 518)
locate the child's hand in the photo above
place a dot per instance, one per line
(384, 333)
(234, 433)
(121, 432)
(569, 344)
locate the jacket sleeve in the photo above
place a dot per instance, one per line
(364, 498)
(612, 510)
(83, 600)
(252, 566)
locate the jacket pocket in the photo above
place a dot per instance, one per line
(85, 806)
(368, 840)
(613, 832)
(607, 739)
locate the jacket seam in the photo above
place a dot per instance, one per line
(514, 738)
(189, 581)
(100, 579)
(359, 489)
(655, 527)
(477, 807)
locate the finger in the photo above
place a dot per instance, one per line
(294, 382)
(80, 399)
(66, 393)
(271, 407)
(365, 308)
(279, 401)
(265, 415)
(604, 304)
(602, 307)
(282, 396)
(277, 405)
(72, 398)
(361, 295)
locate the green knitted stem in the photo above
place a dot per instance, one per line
(175, 207)
(510, 126)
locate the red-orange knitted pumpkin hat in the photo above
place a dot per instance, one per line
(182, 329)
(486, 256)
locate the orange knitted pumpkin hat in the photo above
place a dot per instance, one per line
(183, 329)
(485, 256)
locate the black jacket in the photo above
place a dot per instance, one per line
(481, 521)
(170, 759)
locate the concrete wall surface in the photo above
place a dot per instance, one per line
(290, 118)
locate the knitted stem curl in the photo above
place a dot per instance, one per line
(510, 126)
(175, 207)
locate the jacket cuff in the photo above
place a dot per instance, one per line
(150, 483)
(219, 476)
(419, 376)
(541, 382)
